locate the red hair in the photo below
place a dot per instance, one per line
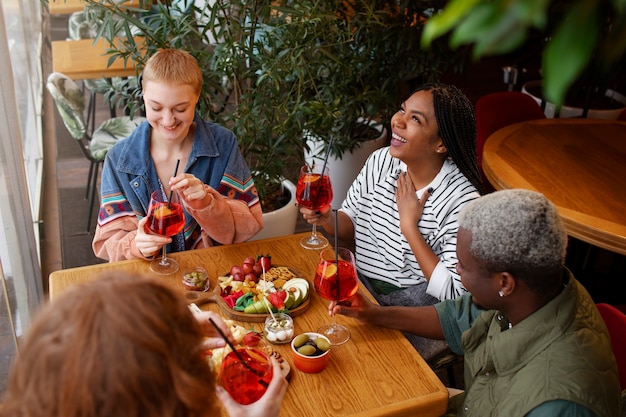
(119, 345)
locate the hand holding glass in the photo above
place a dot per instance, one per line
(314, 192)
(165, 218)
(336, 280)
(246, 373)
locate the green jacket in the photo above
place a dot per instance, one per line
(561, 352)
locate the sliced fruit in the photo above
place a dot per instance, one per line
(311, 177)
(330, 271)
(289, 301)
(258, 307)
(299, 289)
(296, 295)
(301, 283)
(162, 211)
(252, 338)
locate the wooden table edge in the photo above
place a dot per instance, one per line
(597, 237)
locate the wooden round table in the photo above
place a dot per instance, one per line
(579, 164)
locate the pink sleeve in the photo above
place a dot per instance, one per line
(226, 220)
(115, 240)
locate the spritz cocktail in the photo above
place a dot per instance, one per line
(247, 375)
(165, 218)
(314, 192)
(336, 280)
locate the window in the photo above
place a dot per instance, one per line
(21, 160)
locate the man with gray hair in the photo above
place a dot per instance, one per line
(534, 344)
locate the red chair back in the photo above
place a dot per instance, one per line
(616, 323)
(497, 110)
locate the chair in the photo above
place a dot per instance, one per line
(497, 110)
(69, 100)
(446, 360)
(615, 321)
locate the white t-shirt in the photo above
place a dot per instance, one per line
(382, 252)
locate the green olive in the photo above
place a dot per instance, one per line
(307, 350)
(322, 344)
(300, 340)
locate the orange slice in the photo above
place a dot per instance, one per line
(162, 211)
(330, 271)
(311, 178)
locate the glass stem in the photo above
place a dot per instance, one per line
(164, 258)
(314, 232)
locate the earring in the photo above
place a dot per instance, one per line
(500, 293)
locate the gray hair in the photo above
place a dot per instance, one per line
(517, 231)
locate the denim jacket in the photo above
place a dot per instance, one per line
(129, 177)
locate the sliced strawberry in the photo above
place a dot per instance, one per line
(252, 338)
(277, 301)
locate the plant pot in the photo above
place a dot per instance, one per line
(282, 221)
(533, 89)
(344, 170)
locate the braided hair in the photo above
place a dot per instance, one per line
(457, 127)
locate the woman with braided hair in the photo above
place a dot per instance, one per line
(402, 209)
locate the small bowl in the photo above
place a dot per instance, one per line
(196, 279)
(279, 331)
(310, 364)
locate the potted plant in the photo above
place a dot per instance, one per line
(371, 55)
(275, 71)
(231, 93)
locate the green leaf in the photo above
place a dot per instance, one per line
(570, 49)
(451, 16)
(489, 30)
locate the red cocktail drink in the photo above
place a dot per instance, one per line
(314, 191)
(336, 282)
(166, 219)
(246, 382)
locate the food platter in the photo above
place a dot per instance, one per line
(214, 296)
(215, 356)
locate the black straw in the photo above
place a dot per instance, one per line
(337, 251)
(236, 353)
(172, 191)
(336, 237)
(330, 144)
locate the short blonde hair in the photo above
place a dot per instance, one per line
(519, 231)
(173, 66)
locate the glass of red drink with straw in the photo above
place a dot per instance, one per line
(165, 218)
(336, 280)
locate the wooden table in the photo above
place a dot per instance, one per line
(579, 164)
(72, 6)
(376, 373)
(86, 59)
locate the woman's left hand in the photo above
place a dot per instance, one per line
(190, 189)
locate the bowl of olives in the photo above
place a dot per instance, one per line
(196, 279)
(311, 352)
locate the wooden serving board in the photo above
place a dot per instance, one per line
(198, 298)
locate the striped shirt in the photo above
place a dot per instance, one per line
(382, 252)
